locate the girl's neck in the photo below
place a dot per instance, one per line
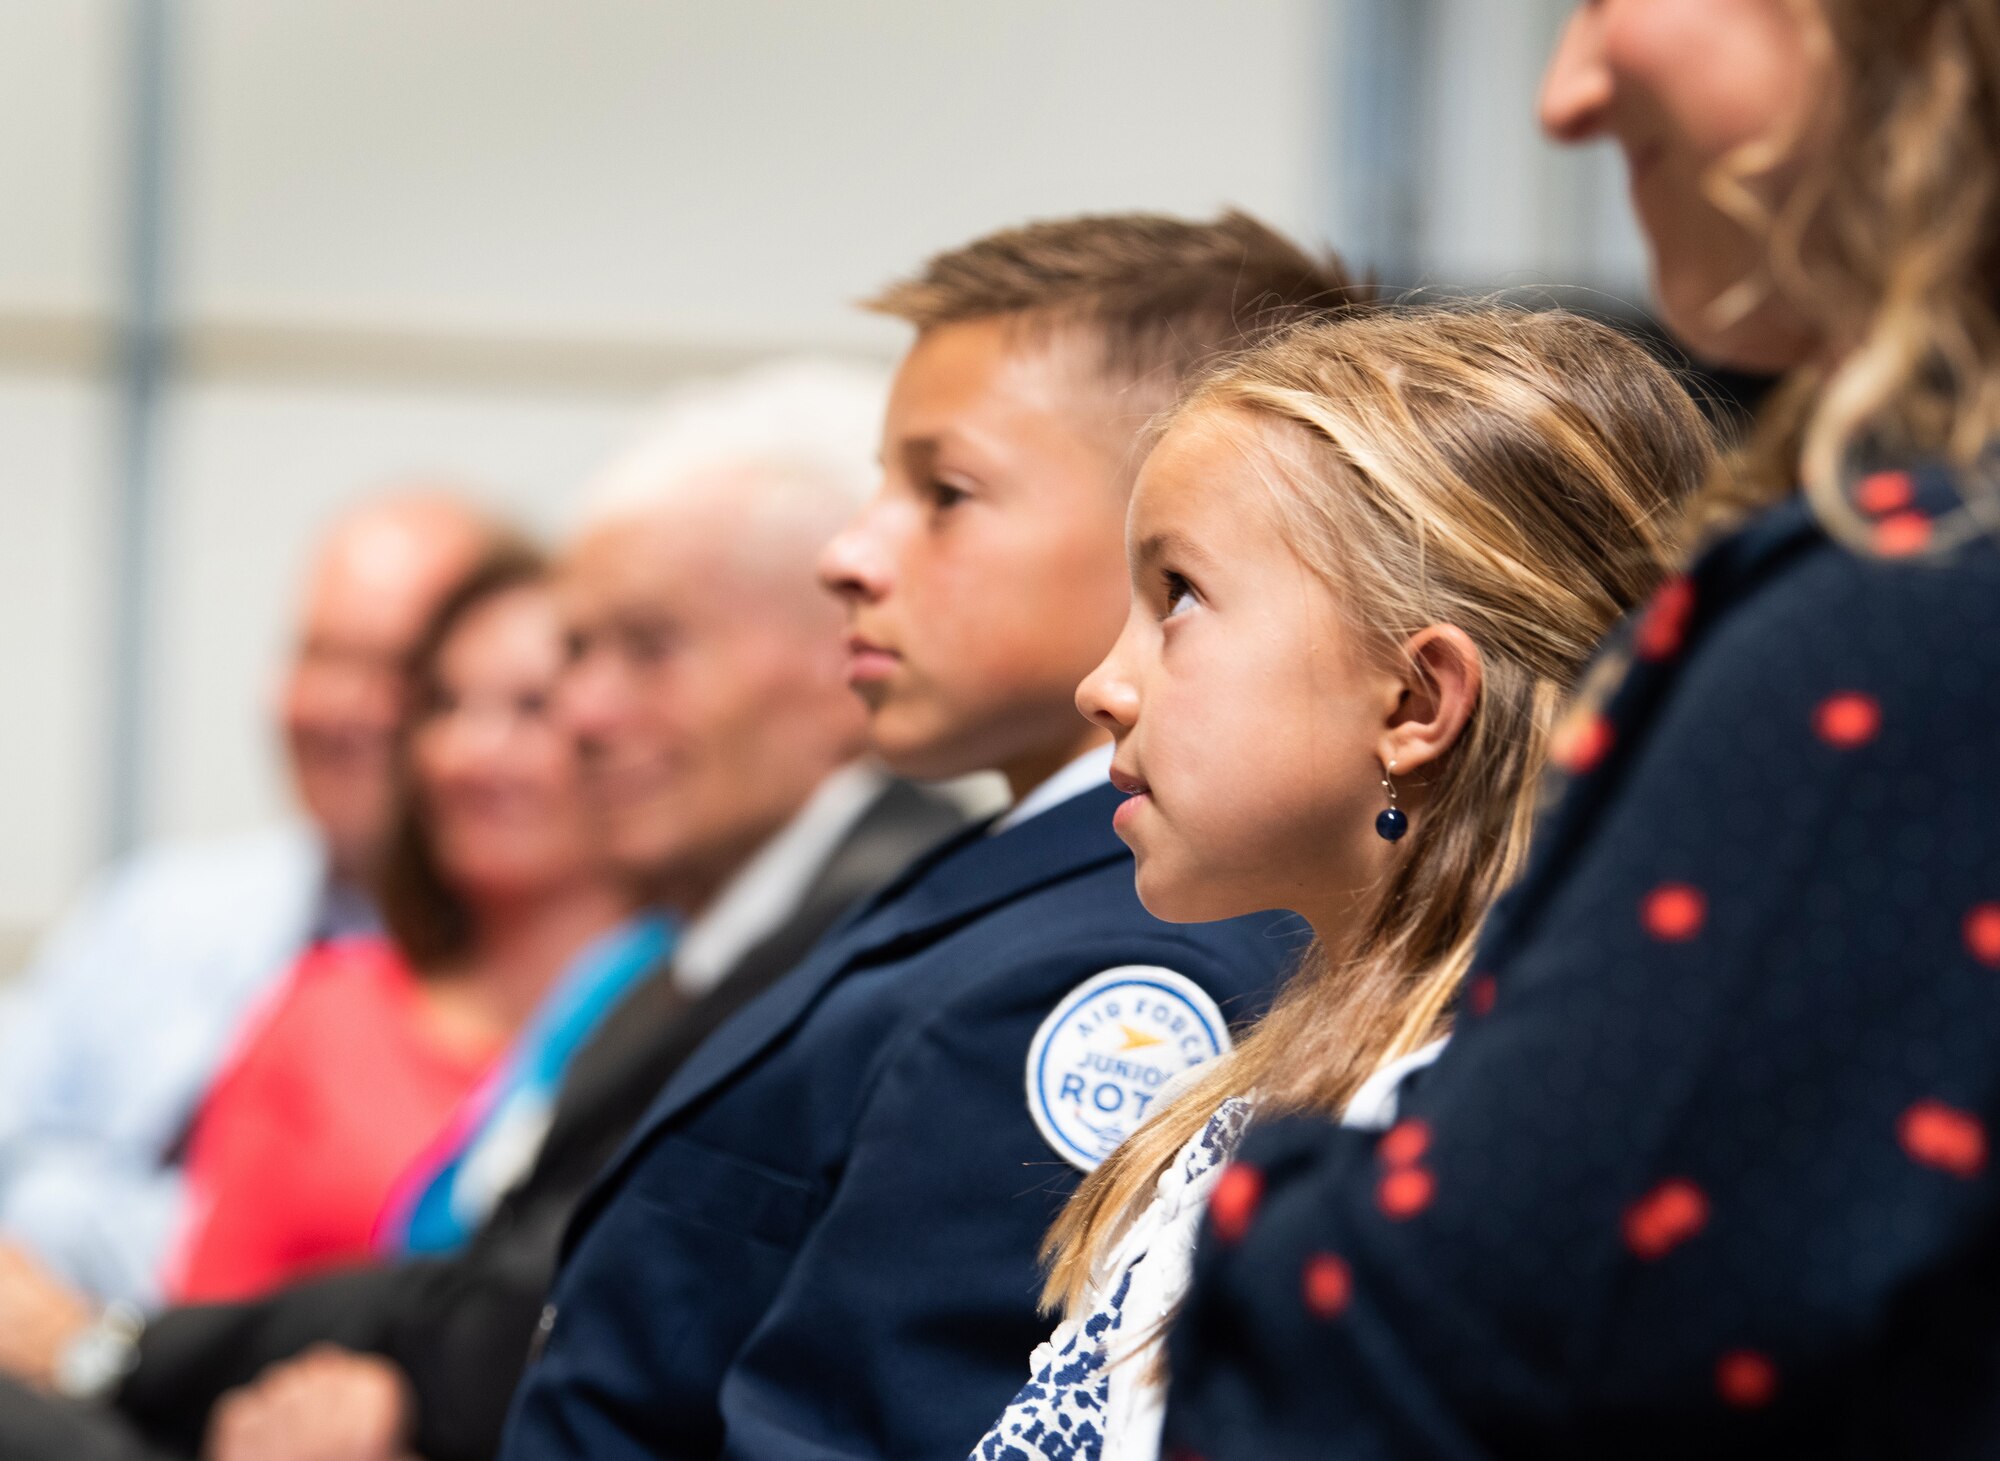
(1341, 920)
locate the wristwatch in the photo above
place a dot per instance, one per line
(93, 1365)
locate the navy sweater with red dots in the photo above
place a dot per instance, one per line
(1706, 1169)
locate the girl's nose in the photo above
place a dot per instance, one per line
(1107, 697)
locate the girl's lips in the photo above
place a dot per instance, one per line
(1129, 808)
(1126, 782)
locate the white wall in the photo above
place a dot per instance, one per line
(472, 237)
(254, 468)
(707, 170)
(54, 191)
(52, 599)
(1504, 208)
(58, 71)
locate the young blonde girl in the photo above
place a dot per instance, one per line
(1369, 562)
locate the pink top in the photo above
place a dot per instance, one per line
(335, 1089)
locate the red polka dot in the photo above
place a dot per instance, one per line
(1982, 934)
(1328, 1285)
(1580, 743)
(1746, 1379)
(1848, 719)
(1674, 912)
(1481, 994)
(1405, 1191)
(1665, 1218)
(1406, 1143)
(1234, 1202)
(1666, 619)
(1902, 534)
(1944, 1137)
(1885, 492)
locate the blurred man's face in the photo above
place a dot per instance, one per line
(377, 582)
(706, 696)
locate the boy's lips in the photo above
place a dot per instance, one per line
(868, 661)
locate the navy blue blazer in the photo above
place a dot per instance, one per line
(1705, 1170)
(822, 1240)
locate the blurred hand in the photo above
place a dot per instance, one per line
(327, 1405)
(39, 1316)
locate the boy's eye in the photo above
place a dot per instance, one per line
(1179, 594)
(944, 494)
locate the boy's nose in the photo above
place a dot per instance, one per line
(1576, 90)
(852, 566)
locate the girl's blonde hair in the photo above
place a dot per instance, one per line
(1516, 475)
(1887, 244)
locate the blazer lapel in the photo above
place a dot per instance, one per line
(967, 876)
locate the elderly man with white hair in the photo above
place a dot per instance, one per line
(721, 753)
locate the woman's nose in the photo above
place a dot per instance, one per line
(1577, 88)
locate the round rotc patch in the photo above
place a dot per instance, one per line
(1097, 1065)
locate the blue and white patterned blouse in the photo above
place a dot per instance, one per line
(1097, 1389)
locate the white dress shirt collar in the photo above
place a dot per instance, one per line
(767, 889)
(1086, 773)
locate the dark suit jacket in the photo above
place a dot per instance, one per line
(822, 1240)
(1707, 1168)
(461, 1326)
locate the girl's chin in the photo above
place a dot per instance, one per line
(1178, 899)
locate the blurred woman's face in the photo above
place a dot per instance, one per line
(495, 776)
(1684, 87)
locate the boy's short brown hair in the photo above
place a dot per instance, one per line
(1165, 297)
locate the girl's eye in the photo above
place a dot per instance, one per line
(1180, 594)
(943, 494)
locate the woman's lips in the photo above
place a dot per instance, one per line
(1642, 157)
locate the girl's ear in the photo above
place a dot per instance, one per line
(1441, 687)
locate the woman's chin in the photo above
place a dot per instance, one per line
(1769, 339)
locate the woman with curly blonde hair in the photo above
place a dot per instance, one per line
(1706, 1169)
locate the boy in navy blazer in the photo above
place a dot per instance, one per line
(822, 1239)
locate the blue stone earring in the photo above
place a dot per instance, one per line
(1391, 824)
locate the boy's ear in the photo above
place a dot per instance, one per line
(1443, 675)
